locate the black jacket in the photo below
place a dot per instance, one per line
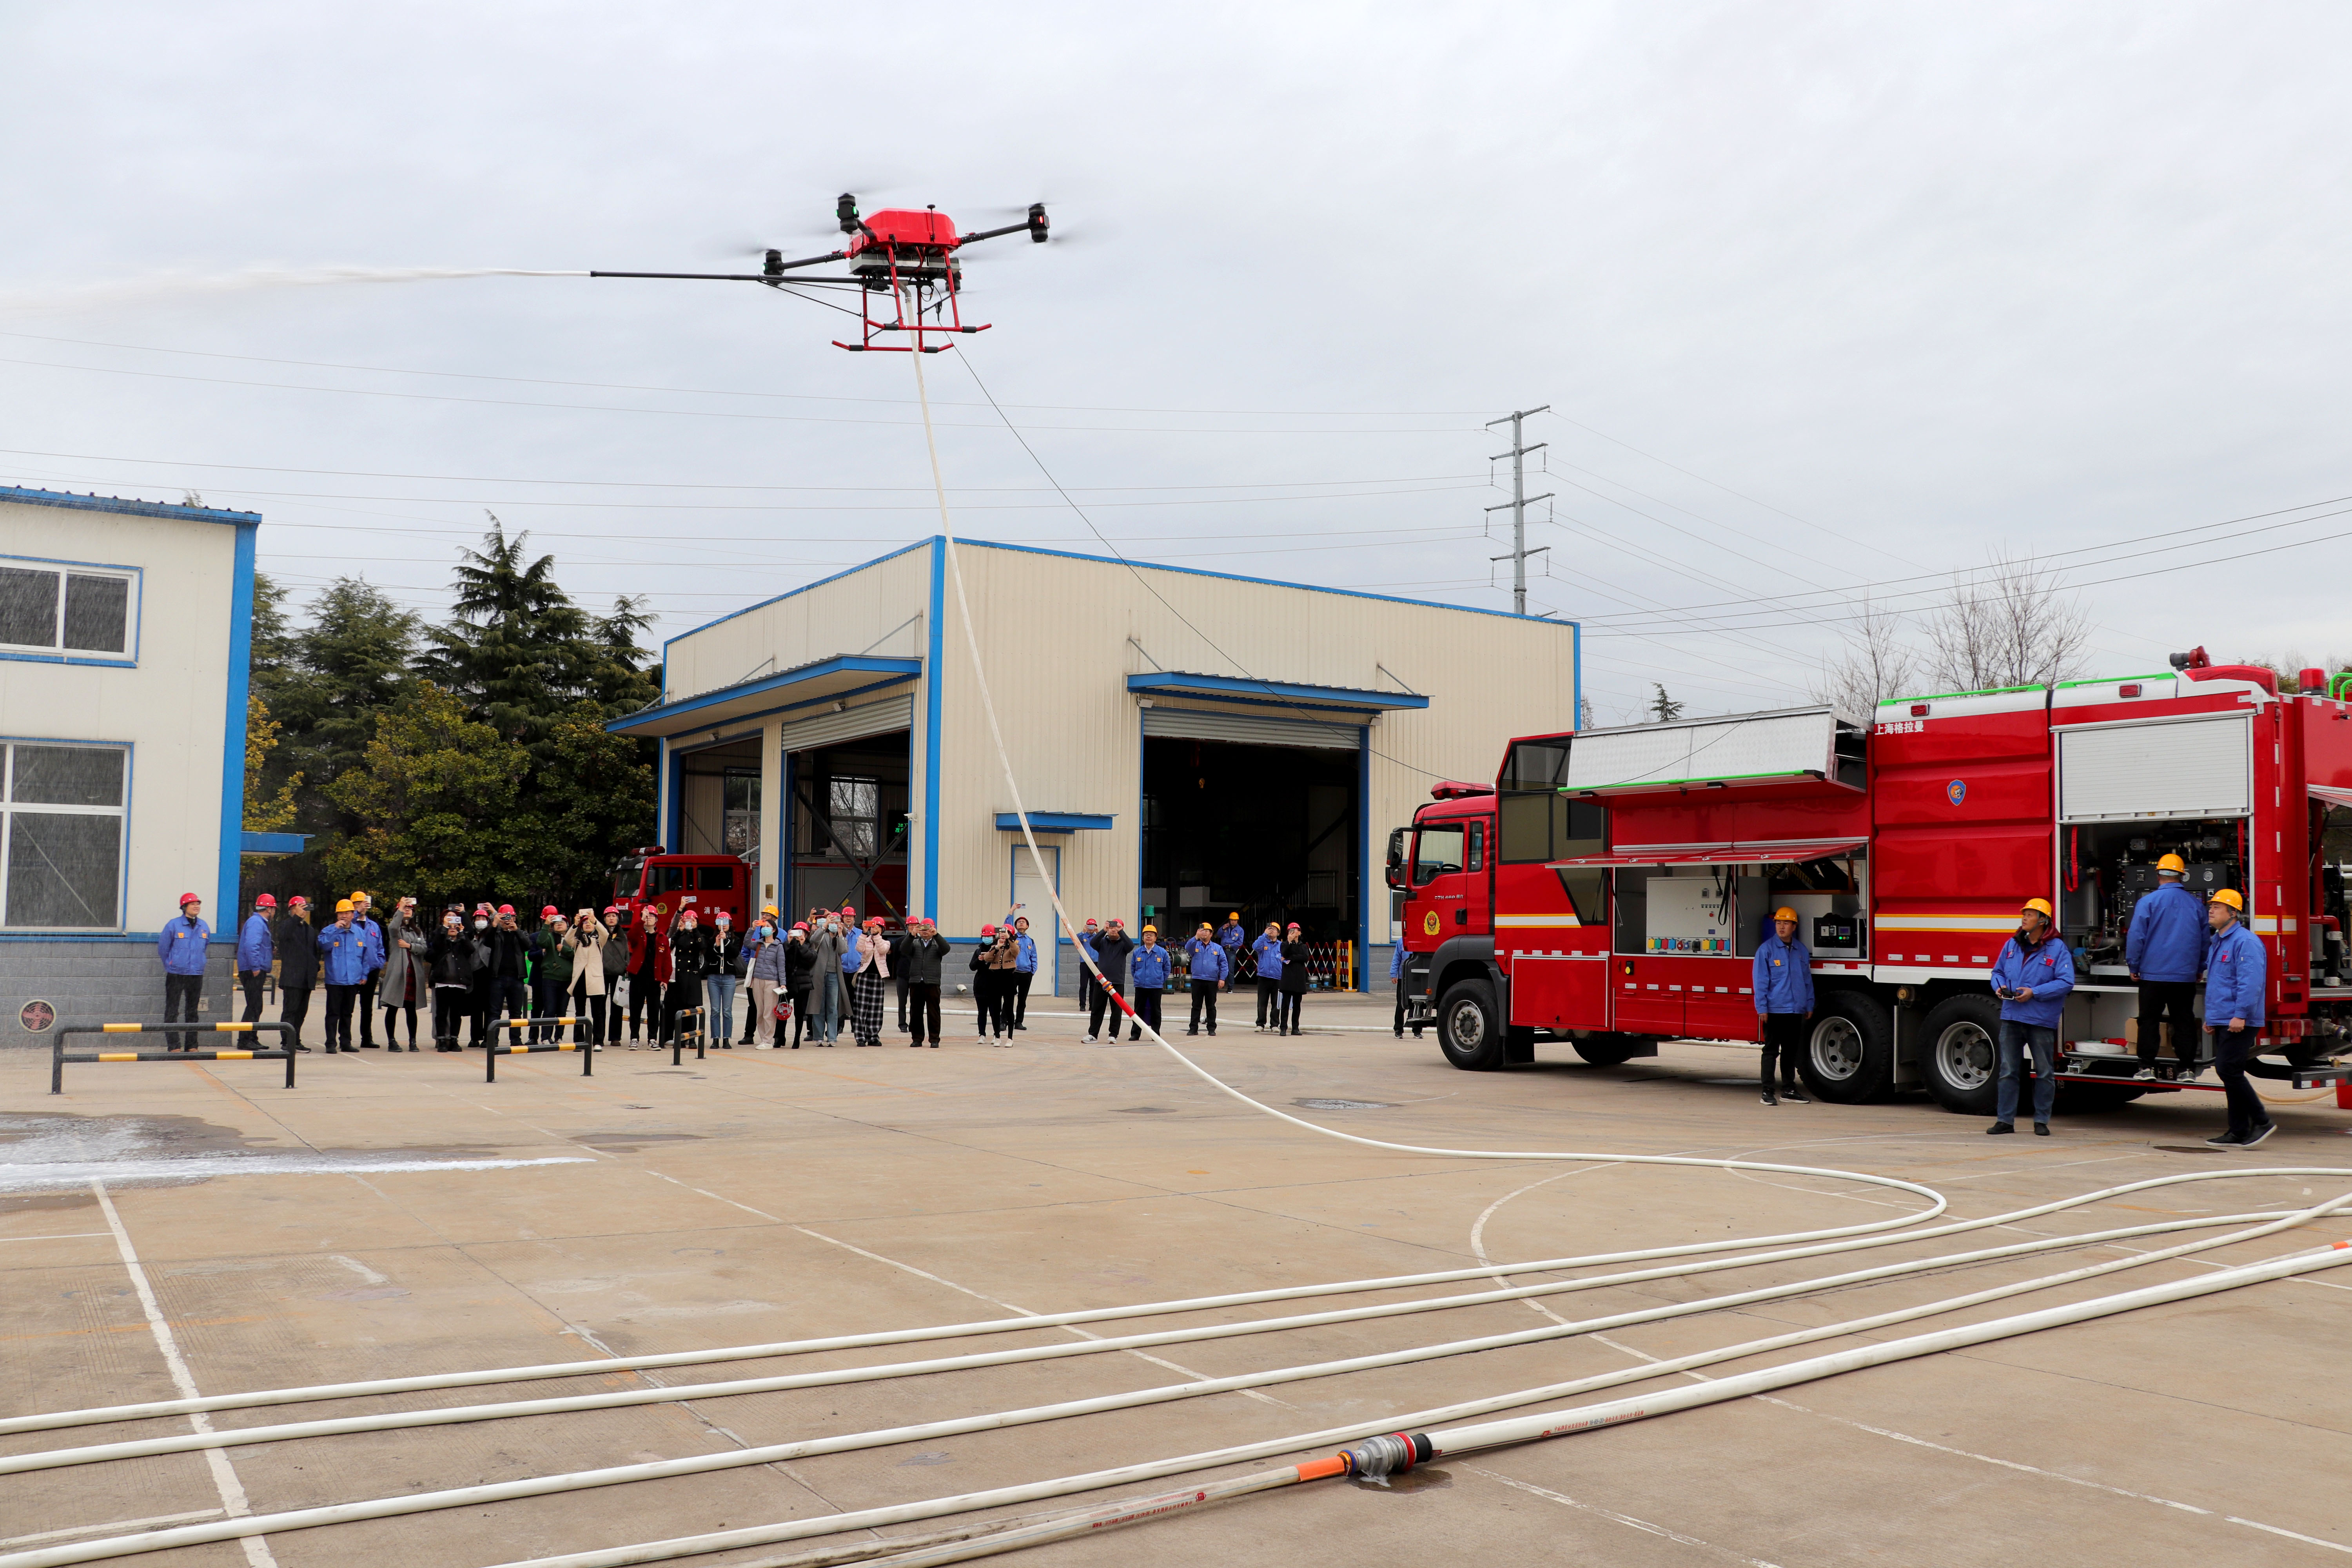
(454, 958)
(510, 953)
(800, 967)
(692, 954)
(1293, 968)
(1111, 949)
(297, 953)
(727, 955)
(918, 958)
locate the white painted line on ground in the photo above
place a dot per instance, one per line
(59, 1235)
(2291, 1535)
(232, 1490)
(1025, 1312)
(118, 1524)
(1624, 1519)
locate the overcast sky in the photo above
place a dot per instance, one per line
(1831, 296)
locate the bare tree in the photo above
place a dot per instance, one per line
(2008, 624)
(1875, 666)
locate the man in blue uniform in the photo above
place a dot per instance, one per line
(2031, 977)
(1150, 965)
(1783, 984)
(1210, 967)
(181, 946)
(2237, 976)
(257, 946)
(2164, 952)
(1267, 953)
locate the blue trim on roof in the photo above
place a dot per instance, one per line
(127, 507)
(1055, 821)
(789, 593)
(240, 680)
(935, 541)
(253, 843)
(895, 670)
(1179, 683)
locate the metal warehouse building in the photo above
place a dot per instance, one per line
(1187, 743)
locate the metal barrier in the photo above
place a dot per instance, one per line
(59, 1056)
(494, 1050)
(701, 1036)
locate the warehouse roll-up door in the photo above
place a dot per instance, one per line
(2198, 767)
(1248, 729)
(833, 729)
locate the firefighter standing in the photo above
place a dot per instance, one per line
(2031, 977)
(2164, 952)
(2236, 974)
(1784, 1002)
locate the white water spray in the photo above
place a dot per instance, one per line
(172, 285)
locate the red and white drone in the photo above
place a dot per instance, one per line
(900, 254)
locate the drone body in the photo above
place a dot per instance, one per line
(904, 254)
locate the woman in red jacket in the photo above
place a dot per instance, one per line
(649, 971)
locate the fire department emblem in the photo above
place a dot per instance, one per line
(1957, 791)
(1429, 924)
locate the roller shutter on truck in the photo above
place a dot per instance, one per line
(2184, 768)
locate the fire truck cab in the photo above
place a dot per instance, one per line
(652, 877)
(1609, 890)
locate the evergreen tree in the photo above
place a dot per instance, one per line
(348, 666)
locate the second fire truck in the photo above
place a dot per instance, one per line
(1609, 889)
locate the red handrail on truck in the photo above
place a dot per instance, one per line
(1608, 890)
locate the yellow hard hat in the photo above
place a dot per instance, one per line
(2042, 905)
(357, 895)
(342, 906)
(2228, 896)
(1151, 930)
(1784, 913)
(767, 909)
(2172, 863)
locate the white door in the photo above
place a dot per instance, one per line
(1038, 905)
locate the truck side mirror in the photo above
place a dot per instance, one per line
(1396, 858)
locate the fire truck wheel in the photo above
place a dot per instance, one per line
(1609, 1050)
(1470, 1026)
(1850, 1053)
(1956, 1057)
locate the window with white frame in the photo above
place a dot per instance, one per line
(64, 609)
(61, 819)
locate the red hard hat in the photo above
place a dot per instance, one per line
(298, 899)
(988, 931)
(266, 902)
(187, 898)
(550, 910)
(506, 908)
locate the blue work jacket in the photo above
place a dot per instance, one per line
(1231, 937)
(1267, 950)
(1149, 965)
(1396, 962)
(2168, 935)
(1025, 955)
(181, 946)
(2237, 978)
(343, 953)
(1209, 961)
(2048, 971)
(1784, 977)
(254, 944)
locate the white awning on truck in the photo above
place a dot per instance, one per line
(1744, 748)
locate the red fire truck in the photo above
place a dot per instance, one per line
(668, 883)
(1610, 888)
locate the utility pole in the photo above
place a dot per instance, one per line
(1517, 506)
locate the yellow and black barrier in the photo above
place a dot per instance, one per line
(59, 1056)
(494, 1050)
(679, 1031)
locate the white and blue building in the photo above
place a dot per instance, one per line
(1189, 742)
(125, 637)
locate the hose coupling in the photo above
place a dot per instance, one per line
(1375, 1459)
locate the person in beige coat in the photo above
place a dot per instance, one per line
(585, 941)
(866, 987)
